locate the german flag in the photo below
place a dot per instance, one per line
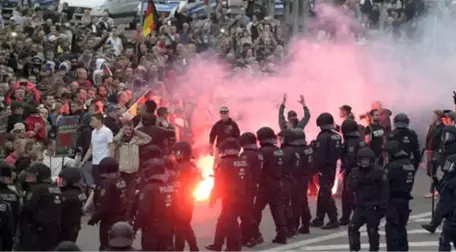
(150, 19)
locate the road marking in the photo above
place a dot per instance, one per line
(410, 232)
(423, 220)
(345, 247)
(333, 236)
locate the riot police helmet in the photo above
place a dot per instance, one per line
(70, 175)
(247, 138)
(265, 135)
(349, 126)
(182, 150)
(154, 166)
(121, 235)
(325, 119)
(401, 120)
(41, 173)
(230, 147)
(449, 135)
(67, 246)
(366, 157)
(6, 173)
(108, 165)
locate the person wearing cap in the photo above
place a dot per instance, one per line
(292, 117)
(223, 129)
(432, 145)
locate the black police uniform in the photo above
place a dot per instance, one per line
(447, 148)
(270, 190)
(302, 175)
(401, 176)
(230, 186)
(370, 187)
(156, 209)
(406, 137)
(254, 158)
(291, 164)
(109, 199)
(43, 205)
(73, 197)
(7, 231)
(447, 205)
(7, 194)
(352, 143)
(328, 148)
(188, 177)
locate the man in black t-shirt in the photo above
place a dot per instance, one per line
(374, 135)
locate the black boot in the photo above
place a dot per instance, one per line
(213, 247)
(316, 223)
(429, 227)
(304, 230)
(343, 221)
(255, 241)
(331, 225)
(280, 239)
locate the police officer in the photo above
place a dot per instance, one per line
(254, 158)
(401, 176)
(7, 231)
(406, 137)
(448, 148)
(7, 194)
(291, 164)
(270, 190)
(109, 199)
(302, 175)
(370, 187)
(73, 198)
(43, 205)
(121, 237)
(352, 143)
(188, 177)
(328, 148)
(446, 205)
(156, 208)
(230, 186)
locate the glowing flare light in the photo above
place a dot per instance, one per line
(203, 190)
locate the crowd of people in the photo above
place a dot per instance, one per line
(88, 108)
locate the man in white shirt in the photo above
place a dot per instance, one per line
(100, 146)
(116, 42)
(55, 163)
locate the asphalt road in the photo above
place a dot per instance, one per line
(319, 240)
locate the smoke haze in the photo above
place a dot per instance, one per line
(412, 78)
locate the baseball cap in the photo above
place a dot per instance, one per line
(224, 109)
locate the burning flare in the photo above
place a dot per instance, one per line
(203, 190)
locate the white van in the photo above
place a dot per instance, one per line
(79, 6)
(128, 12)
